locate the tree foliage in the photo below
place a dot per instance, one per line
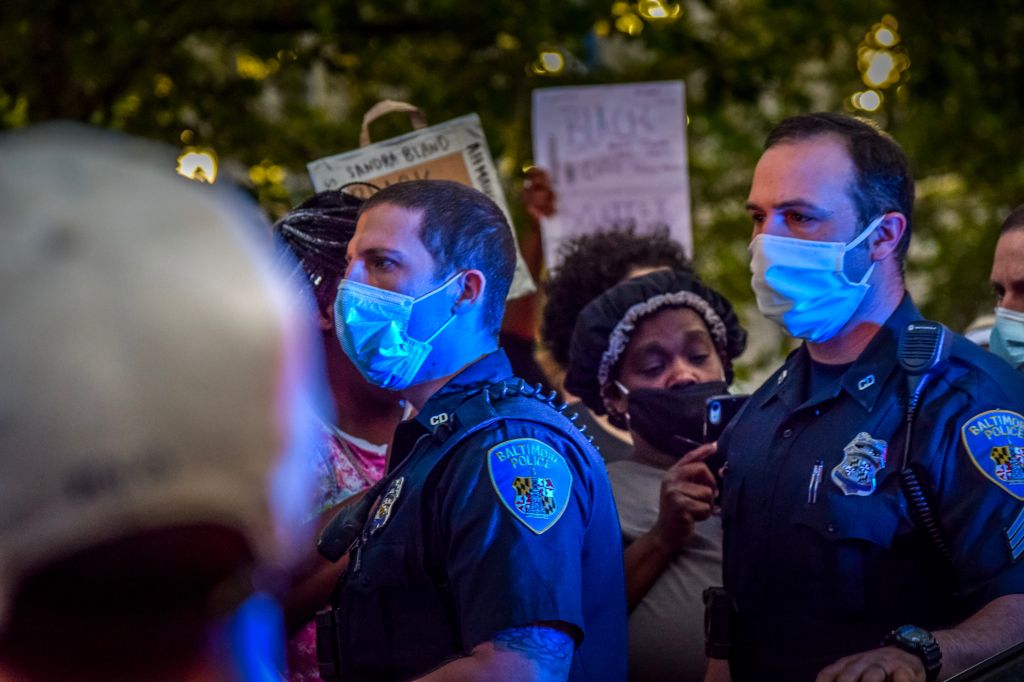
(273, 84)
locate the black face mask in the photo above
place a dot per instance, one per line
(672, 419)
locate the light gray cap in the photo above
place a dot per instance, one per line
(152, 367)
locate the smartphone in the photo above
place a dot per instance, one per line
(718, 412)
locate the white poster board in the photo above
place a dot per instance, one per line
(454, 150)
(616, 154)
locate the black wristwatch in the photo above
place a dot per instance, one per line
(919, 642)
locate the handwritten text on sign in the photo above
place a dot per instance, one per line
(616, 155)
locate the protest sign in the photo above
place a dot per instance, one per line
(454, 150)
(616, 154)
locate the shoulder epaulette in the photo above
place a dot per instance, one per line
(479, 406)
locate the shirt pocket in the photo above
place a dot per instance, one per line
(839, 542)
(398, 614)
(735, 568)
(729, 500)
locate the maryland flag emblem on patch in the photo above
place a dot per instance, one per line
(535, 496)
(1009, 461)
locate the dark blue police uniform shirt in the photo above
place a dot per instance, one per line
(818, 579)
(453, 564)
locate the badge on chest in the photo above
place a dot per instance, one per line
(532, 480)
(863, 458)
(382, 513)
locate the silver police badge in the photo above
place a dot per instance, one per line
(387, 501)
(863, 458)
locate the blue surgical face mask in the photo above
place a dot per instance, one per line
(1007, 339)
(388, 335)
(802, 284)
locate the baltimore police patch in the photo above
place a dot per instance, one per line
(995, 442)
(532, 480)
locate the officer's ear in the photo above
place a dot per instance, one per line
(886, 237)
(474, 283)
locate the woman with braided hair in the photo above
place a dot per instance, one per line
(352, 457)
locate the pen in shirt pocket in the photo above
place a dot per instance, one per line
(812, 486)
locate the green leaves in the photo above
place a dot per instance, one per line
(277, 83)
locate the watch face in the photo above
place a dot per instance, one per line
(922, 644)
(913, 634)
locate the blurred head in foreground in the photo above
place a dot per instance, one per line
(154, 406)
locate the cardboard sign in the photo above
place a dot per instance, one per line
(616, 154)
(455, 150)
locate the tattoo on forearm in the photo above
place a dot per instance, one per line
(551, 649)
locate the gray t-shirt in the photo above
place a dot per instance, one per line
(666, 630)
(609, 446)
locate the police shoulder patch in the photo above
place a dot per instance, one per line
(994, 440)
(532, 480)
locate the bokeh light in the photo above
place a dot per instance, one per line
(869, 100)
(659, 11)
(507, 41)
(553, 62)
(881, 63)
(630, 24)
(198, 164)
(885, 37)
(267, 172)
(252, 67)
(162, 85)
(881, 69)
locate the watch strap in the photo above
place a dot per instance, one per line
(921, 643)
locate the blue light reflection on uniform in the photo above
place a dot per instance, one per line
(256, 639)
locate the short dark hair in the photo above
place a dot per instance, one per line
(883, 180)
(1014, 221)
(462, 229)
(317, 233)
(590, 265)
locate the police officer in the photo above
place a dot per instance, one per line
(1007, 339)
(833, 572)
(491, 549)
